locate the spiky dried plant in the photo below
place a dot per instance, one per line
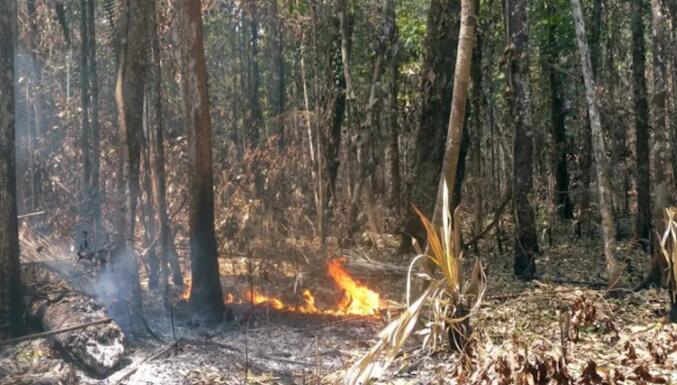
(669, 249)
(447, 315)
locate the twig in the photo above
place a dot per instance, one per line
(497, 217)
(53, 332)
(28, 215)
(153, 356)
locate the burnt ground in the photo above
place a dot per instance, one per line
(517, 331)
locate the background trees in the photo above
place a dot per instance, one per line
(326, 121)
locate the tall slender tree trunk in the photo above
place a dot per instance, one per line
(11, 300)
(561, 201)
(393, 108)
(526, 241)
(279, 77)
(614, 268)
(457, 120)
(643, 179)
(436, 90)
(95, 129)
(129, 99)
(38, 106)
(84, 97)
(168, 257)
(661, 152)
(206, 296)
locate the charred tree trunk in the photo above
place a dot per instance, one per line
(38, 107)
(206, 296)
(55, 304)
(643, 181)
(11, 302)
(129, 99)
(337, 112)
(526, 241)
(438, 68)
(614, 268)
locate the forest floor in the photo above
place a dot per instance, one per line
(517, 331)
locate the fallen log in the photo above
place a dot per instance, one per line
(55, 304)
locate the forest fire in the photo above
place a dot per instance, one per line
(357, 299)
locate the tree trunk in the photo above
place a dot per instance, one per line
(526, 241)
(129, 100)
(643, 181)
(393, 110)
(614, 268)
(206, 297)
(561, 202)
(436, 90)
(11, 302)
(168, 257)
(95, 129)
(661, 122)
(55, 304)
(279, 78)
(452, 152)
(84, 97)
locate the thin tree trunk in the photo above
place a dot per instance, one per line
(561, 200)
(206, 296)
(643, 179)
(84, 97)
(168, 257)
(614, 268)
(393, 110)
(661, 158)
(11, 300)
(452, 149)
(526, 241)
(129, 99)
(95, 129)
(278, 96)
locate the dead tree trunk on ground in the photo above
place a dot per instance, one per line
(55, 304)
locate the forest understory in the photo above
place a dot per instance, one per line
(562, 327)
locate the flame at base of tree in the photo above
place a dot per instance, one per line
(357, 299)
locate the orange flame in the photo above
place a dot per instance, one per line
(357, 298)
(185, 294)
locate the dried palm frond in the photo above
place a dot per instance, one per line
(443, 298)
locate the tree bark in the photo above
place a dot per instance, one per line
(661, 152)
(206, 297)
(526, 241)
(614, 268)
(84, 98)
(11, 303)
(279, 77)
(393, 108)
(436, 91)
(95, 129)
(129, 99)
(562, 201)
(643, 179)
(168, 257)
(55, 304)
